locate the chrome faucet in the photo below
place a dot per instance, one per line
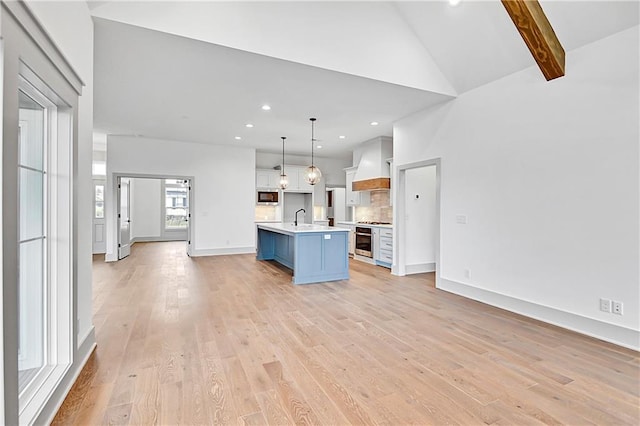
(295, 222)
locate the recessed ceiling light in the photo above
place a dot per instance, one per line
(454, 2)
(342, 137)
(249, 125)
(319, 146)
(374, 123)
(266, 107)
(238, 138)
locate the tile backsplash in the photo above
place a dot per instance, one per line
(266, 213)
(379, 209)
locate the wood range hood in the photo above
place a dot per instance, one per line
(373, 169)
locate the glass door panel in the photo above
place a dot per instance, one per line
(32, 278)
(31, 204)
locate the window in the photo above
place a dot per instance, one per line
(99, 168)
(43, 250)
(176, 193)
(98, 202)
(32, 267)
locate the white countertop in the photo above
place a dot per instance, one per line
(370, 225)
(290, 228)
(363, 225)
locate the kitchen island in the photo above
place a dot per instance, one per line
(315, 253)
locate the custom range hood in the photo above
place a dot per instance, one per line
(373, 170)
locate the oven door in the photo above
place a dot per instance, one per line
(363, 244)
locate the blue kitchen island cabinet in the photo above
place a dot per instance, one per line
(315, 253)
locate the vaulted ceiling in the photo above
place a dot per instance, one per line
(200, 71)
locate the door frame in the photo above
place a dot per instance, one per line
(113, 229)
(119, 217)
(400, 225)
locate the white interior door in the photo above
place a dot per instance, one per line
(124, 218)
(189, 192)
(99, 237)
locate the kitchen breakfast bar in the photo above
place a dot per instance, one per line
(315, 253)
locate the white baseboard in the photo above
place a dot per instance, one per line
(612, 333)
(222, 251)
(85, 349)
(364, 259)
(157, 239)
(420, 268)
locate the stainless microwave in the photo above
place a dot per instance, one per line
(267, 197)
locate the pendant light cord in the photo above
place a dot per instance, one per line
(313, 120)
(282, 171)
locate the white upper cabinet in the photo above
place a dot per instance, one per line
(267, 179)
(296, 179)
(354, 198)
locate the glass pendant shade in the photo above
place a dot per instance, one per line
(312, 175)
(284, 181)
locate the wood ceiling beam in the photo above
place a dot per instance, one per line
(538, 35)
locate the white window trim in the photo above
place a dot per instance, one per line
(58, 254)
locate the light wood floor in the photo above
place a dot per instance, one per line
(228, 339)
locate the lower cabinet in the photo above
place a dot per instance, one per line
(383, 246)
(352, 236)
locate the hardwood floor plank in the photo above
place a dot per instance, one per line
(146, 400)
(230, 340)
(170, 403)
(272, 409)
(93, 409)
(117, 415)
(217, 392)
(290, 396)
(241, 392)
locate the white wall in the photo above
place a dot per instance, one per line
(222, 213)
(146, 213)
(70, 28)
(420, 218)
(70, 25)
(332, 168)
(292, 202)
(368, 39)
(547, 175)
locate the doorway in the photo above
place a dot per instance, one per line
(152, 208)
(124, 218)
(417, 227)
(99, 234)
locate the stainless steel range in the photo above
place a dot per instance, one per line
(364, 243)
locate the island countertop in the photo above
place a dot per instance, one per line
(315, 253)
(291, 229)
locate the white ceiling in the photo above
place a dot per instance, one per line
(162, 86)
(346, 63)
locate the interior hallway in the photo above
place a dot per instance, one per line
(227, 339)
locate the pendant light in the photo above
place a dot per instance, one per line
(312, 174)
(284, 181)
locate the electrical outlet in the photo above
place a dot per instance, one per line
(461, 219)
(605, 305)
(617, 308)
(467, 273)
